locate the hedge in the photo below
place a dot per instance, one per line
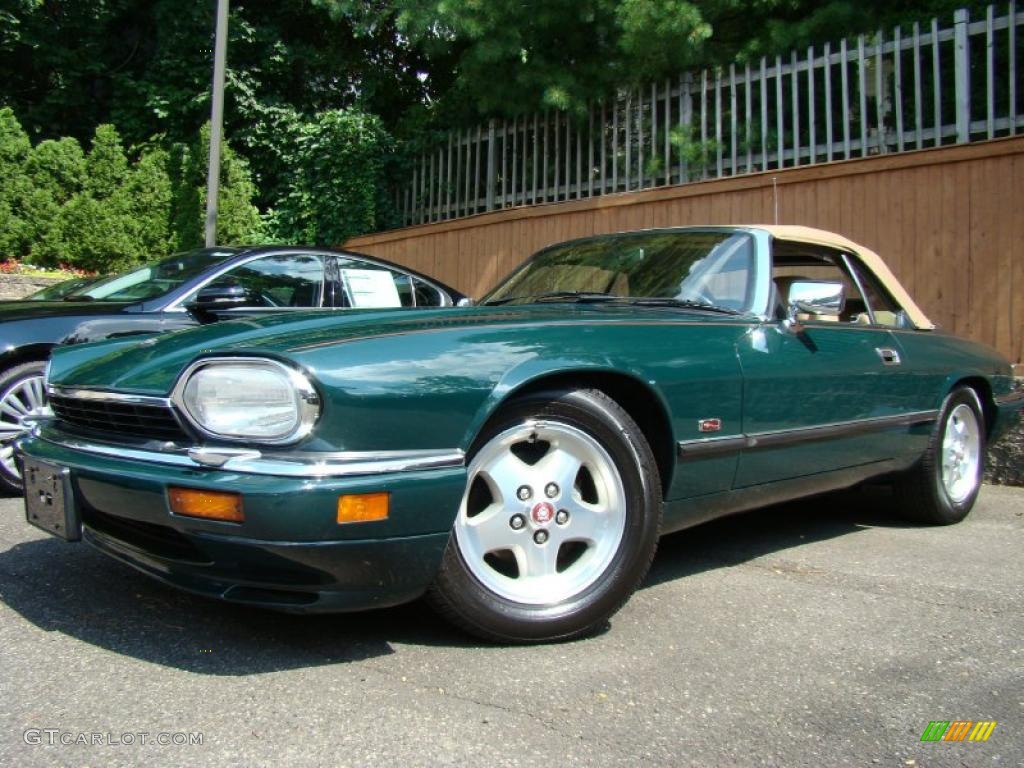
(106, 209)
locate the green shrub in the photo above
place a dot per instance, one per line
(16, 232)
(238, 220)
(102, 211)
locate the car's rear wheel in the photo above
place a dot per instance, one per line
(22, 399)
(942, 487)
(558, 524)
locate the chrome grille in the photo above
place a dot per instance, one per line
(137, 418)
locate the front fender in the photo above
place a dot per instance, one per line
(534, 371)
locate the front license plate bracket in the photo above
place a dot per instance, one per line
(50, 500)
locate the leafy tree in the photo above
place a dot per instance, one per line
(334, 193)
(145, 65)
(506, 57)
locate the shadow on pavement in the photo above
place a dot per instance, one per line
(72, 589)
(736, 539)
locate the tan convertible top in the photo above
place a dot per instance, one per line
(870, 259)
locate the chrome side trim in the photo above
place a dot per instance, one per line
(692, 449)
(81, 393)
(299, 464)
(711, 446)
(776, 438)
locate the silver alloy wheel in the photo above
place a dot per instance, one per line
(22, 402)
(961, 453)
(543, 515)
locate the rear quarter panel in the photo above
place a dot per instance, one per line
(934, 362)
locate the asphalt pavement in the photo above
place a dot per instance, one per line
(826, 633)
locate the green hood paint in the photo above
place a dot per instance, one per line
(152, 366)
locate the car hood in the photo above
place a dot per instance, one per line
(38, 310)
(153, 365)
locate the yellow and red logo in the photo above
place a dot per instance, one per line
(958, 730)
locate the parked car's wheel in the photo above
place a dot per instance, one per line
(558, 524)
(943, 486)
(22, 397)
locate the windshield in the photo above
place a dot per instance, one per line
(60, 290)
(153, 280)
(713, 268)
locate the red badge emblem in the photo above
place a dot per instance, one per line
(543, 513)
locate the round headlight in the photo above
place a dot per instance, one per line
(257, 400)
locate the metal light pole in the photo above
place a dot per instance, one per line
(220, 51)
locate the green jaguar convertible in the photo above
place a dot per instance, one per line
(517, 460)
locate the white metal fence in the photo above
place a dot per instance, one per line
(888, 92)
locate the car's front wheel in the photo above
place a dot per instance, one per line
(22, 399)
(942, 487)
(559, 521)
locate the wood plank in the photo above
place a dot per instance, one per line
(1016, 237)
(960, 253)
(928, 212)
(1005, 246)
(845, 206)
(909, 184)
(983, 277)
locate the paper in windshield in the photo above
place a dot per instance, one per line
(371, 288)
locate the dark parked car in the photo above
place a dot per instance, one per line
(185, 290)
(517, 460)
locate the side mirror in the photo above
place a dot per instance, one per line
(815, 297)
(465, 301)
(217, 296)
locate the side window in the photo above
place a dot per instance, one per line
(426, 294)
(283, 280)
(369, 285)
(792, 262)
(881, 306)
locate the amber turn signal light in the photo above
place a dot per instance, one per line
(209, 505)
(363, 507)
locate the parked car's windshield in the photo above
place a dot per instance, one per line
(61, 289)
(152, 280)
(714, 268)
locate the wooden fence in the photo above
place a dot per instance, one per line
(947, 220)
(889, 92)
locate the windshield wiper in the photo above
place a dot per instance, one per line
(664, 301)
(574, 296)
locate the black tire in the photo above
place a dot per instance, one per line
(464, 599)
(920, 493)
(10, 381)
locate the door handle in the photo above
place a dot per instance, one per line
(889, 356)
